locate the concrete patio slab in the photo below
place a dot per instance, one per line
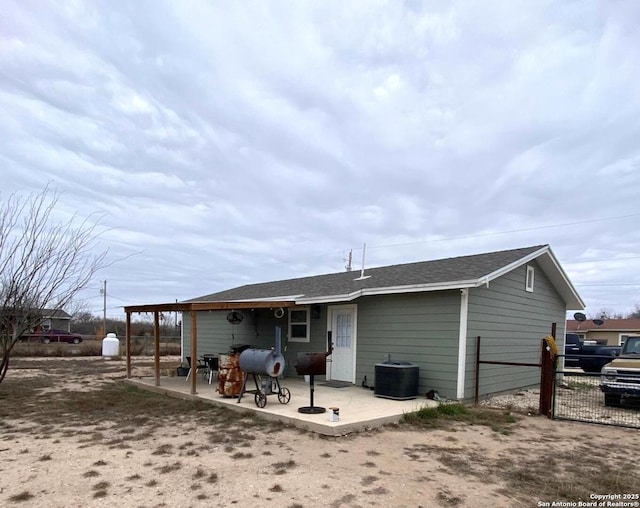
(358, 408)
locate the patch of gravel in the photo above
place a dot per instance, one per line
(581, 401)
(522, 401)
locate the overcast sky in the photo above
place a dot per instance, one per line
(236, 142)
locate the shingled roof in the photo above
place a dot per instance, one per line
(450, 273)
(55, 314)
(609, 325)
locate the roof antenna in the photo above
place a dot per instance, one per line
(348, 267)
(362, 276)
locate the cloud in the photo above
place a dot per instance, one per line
(239, 142)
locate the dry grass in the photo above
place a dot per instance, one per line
(90, 347)
(442, 415)
(121, 417)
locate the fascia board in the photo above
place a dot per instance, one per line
(328, 299)
(551, 259)
(291, 298)
(512, 266)
(415, 288)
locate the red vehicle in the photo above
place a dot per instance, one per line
(49, 336)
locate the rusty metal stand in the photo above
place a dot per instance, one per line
(311, 409)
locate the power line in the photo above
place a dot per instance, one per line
(611, 284)
(479, 235)
(523, 230)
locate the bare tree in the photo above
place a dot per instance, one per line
(43, 263)
(77, 308)
(607, 314)
(635, 313)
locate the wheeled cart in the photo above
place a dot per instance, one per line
(265, 385)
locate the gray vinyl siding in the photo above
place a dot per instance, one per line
(421, 328)
(317, 342)
(216, 335)
(511, 323)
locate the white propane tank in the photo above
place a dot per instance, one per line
(110, 346)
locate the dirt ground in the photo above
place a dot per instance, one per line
(73, 435)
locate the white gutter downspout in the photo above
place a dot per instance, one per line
(462, 342)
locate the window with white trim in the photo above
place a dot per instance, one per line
(299, 324)
(531, 275)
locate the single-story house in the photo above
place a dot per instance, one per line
(611, 331)
(427, 313)
(55, 319)
(50, 319)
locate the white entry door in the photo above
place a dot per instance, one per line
(342, 323)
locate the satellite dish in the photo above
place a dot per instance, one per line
(598, 322)
(579, 316)
(234, 317)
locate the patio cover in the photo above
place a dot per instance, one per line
(192, 308)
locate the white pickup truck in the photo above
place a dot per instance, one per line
(620, 379)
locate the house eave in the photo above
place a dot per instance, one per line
(549, 264)
(390, 290)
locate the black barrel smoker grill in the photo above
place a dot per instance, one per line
(313, 364)
(264, 366)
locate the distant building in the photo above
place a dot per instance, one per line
(614, 331)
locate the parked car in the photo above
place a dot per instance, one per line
(595, 357)
(49, 336)
(572, 348)
(589, 355)
(620, 380)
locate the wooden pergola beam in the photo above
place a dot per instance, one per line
(194, 353)
(156, 346)
(127, 332)
(196, 306)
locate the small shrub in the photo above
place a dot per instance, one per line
(164, 449)
(23, 496)
(285, 465)
(241, 455)
(169, 468)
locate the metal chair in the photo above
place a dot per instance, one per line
(200, 367)
(213, 365)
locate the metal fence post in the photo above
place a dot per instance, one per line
(546, 379)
